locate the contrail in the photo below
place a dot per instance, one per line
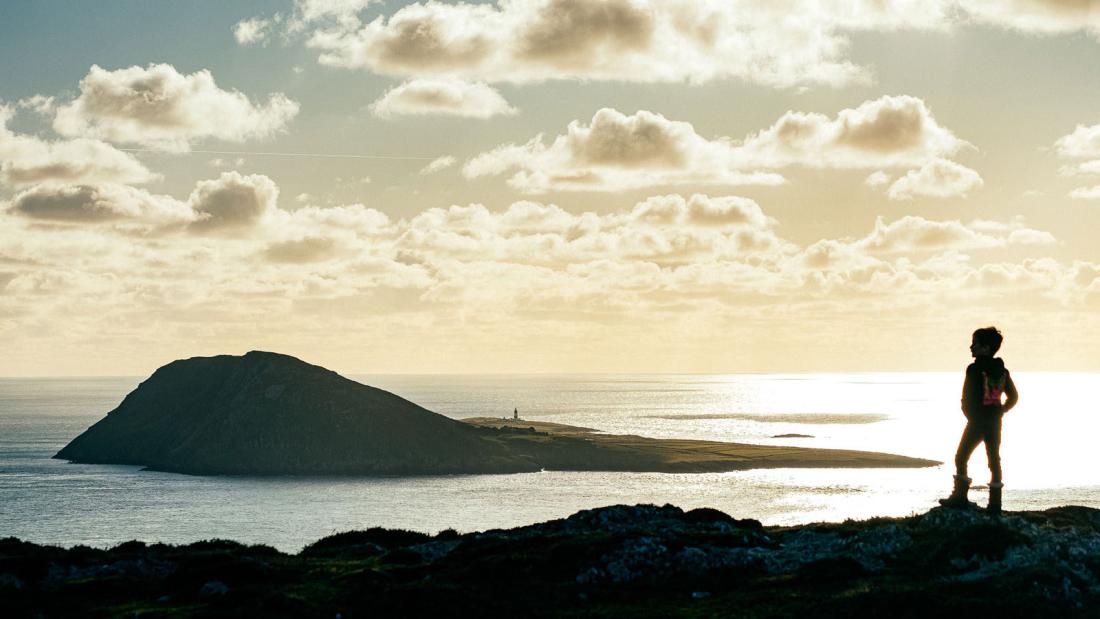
(267, 154)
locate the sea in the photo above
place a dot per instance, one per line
(1050, 454)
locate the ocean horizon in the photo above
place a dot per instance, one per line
(1045, 450)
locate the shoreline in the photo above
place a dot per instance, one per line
(627, 452)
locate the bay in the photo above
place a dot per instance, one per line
(1047, 453)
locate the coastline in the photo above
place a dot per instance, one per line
(573, 448)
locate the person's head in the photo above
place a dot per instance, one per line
(986, 342)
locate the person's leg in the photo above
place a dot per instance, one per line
(971, 436)
(993, 452)
(992, 438)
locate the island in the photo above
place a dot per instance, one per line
(266, 413)
(614, 561)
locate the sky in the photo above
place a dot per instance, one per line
(549, 186)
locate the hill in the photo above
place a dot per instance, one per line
(270, 414)
(266, 413)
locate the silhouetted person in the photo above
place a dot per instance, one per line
(515, 414)
(987, 381)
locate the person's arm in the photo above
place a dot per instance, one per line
(968, 403)
(1010, 391)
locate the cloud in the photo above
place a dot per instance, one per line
(701, 210)
(303, 250)
(232, 202)
(615, 151)
(341, 10)
(937, 178)
(788, 44)
(443, 97)
(219, 162)
(633, 40)
(691, 267)
(28, 160)
(1082, 143)
(158, 107)
(913, 233)
(354, 219)
(251, 31)
(877, 179)
(39, 104)
(890, 131)
(1041, 16)
(669, 229)
(438, 165)
(98, 204)
(1086, 193)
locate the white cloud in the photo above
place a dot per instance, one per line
(102, 203)
(877, 179)
(340, 10)
(667, 229)
(1086, 193)
(616, 151)
(251, 31)
(1042, 16)
(685, 266)
(1085, 168)
(27, 160)
(937, 178)
(1082, 143)
(438, 165)
(444, 97)
(158, 107)
(635, 40)
(788, 44)
(305, 249)
(913, 233)
(353, 218)
(219, 162)
(39, 104)
(232, 202)
(890, 131)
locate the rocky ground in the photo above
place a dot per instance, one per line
(639, 561)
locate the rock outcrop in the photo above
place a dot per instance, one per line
(620, 560)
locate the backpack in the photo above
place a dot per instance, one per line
(992, 388)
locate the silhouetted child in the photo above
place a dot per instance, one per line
(987, 381)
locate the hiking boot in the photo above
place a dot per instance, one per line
(958, 495)
(995, 489)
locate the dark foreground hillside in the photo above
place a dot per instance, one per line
(641, 561)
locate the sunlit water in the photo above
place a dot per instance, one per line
(1048, 451)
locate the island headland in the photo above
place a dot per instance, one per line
(266, 413)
